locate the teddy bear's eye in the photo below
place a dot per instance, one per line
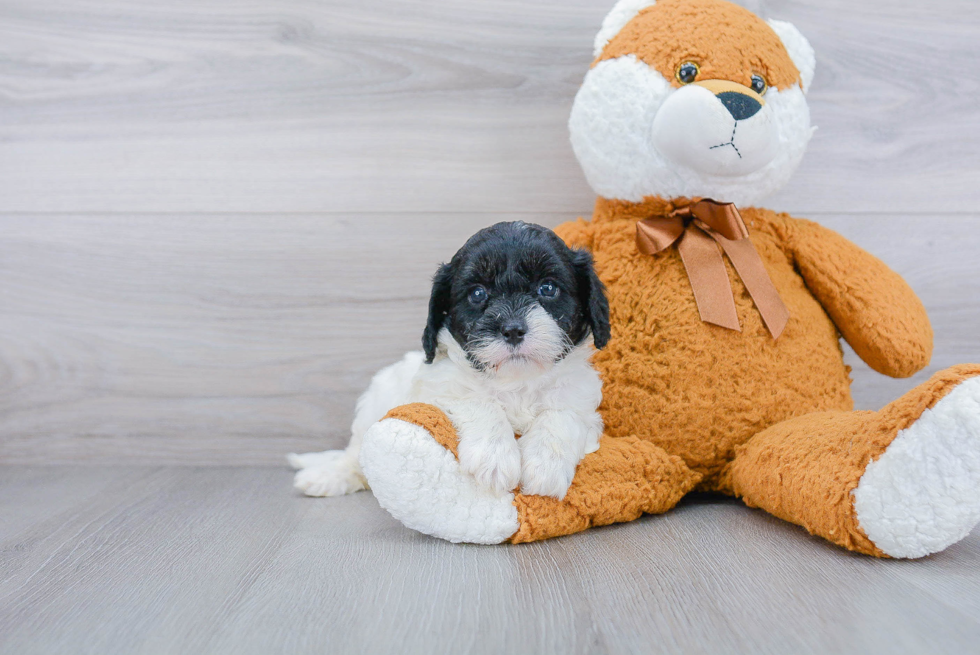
(687, 72)
(759, 84)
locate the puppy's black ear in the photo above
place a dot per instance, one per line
(592, 293)
(438, 308)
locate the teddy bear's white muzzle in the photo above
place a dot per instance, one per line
(714, 135)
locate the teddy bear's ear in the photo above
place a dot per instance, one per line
(622, 13)
(799, 50)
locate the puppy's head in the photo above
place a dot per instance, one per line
(517, 299)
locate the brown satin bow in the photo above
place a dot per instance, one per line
(693, 228)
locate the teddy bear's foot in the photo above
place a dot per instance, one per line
(923, 493)
(420, 483)
(900, 482)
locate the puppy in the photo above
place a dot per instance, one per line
(507, 352)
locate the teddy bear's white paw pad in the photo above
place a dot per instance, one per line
(331, 473)
(923, 493)
(422, 485)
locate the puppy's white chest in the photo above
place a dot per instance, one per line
(520, 410)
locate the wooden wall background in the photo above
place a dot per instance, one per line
(218, 218)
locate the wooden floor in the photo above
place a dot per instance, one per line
(222, 560)
(218, 218)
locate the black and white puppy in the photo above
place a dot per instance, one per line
(506, 351)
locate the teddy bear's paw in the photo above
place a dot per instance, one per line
(330, 473)
(422, 485)
(923, 493)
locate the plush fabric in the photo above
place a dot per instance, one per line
(421, 484)
(805, 470)
(695, 389)
(672, 31)
(625, 478)
(920, 495)
(432, 419)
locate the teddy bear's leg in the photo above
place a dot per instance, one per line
(625, 478)
(900, 482)
(410, 460)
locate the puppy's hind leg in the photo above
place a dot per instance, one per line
(338, 472)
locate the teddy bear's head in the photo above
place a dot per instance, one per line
(692, 98)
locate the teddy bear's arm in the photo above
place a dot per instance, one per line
(576, 234)
(873, 307)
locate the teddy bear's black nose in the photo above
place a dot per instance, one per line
(739, 105)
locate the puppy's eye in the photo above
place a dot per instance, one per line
(477, 295)
(548, 289)
(759, 84)
(687, 72)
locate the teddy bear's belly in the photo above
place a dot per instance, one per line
(698, 390)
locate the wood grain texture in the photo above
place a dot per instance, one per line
(235, 339)
(448, 105)
(185, 560)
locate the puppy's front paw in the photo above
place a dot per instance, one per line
(332, 473)
(494, 462)
(545, 470)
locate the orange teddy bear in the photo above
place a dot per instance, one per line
(724, 372)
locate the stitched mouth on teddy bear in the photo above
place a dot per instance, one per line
(728, 133)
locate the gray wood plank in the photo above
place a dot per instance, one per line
(31, 497)
(218, 339)
(450, 105)
(162, 542)
(228, 560)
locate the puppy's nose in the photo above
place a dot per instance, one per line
(513, 331)
(739, 105)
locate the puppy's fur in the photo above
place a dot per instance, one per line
(507, 351)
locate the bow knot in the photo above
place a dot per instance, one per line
(695, 228)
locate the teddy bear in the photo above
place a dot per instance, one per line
(724, 371)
